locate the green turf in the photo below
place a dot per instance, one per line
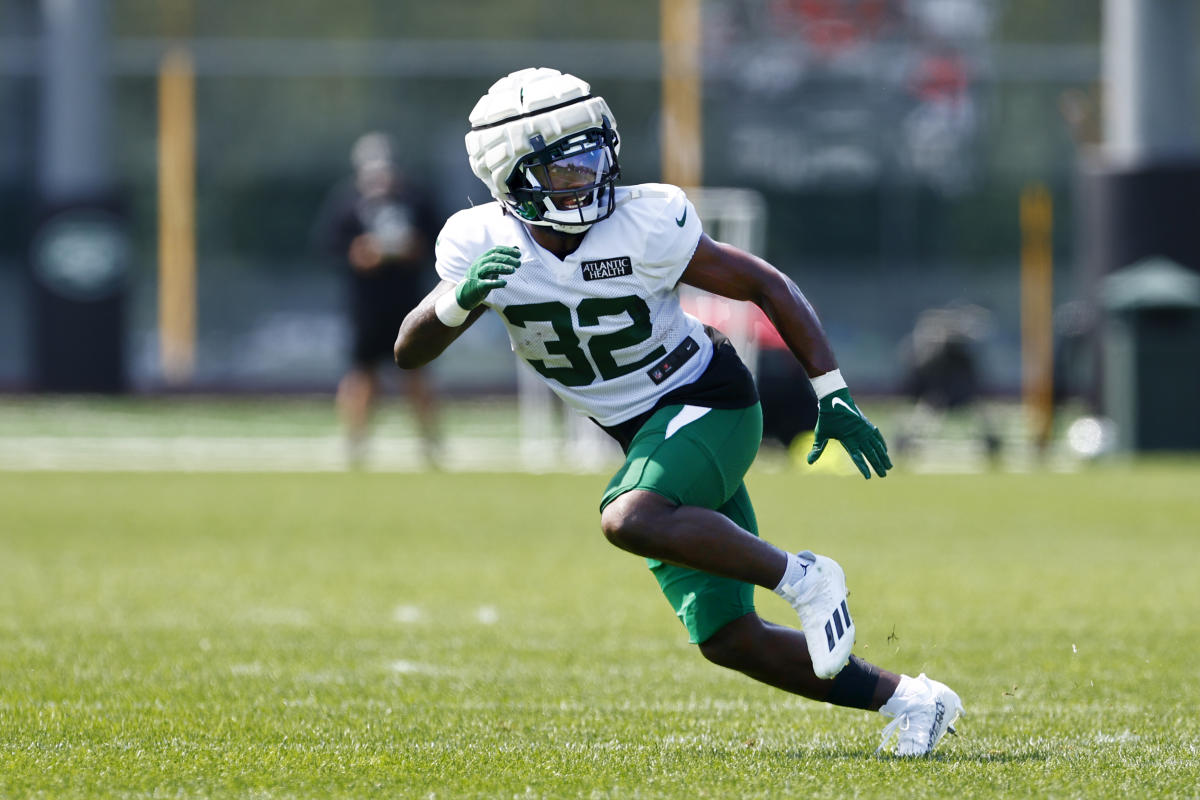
(355, 635)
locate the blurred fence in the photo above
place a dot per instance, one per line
(891, 146)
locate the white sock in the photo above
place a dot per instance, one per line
(907, 688)
(797, 566)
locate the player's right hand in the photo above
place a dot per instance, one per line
(485, 275)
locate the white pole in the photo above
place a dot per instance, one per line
(1149, 73)
(76, 158)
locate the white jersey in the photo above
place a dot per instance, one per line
(603, 327)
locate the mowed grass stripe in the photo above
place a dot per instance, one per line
(472, 635)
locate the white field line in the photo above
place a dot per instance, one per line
(223, 453)
(191, 453)
(232, 453)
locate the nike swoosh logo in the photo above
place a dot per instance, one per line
(839, 401)
(680, 221)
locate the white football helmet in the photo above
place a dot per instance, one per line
(546, 148)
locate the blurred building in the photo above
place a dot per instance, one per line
(891, 139)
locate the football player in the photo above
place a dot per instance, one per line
(378, 228)
(584, 274)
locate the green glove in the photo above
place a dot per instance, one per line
(484, 275)
(838, 418)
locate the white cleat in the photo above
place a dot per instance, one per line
(820, 600)
(922, 711)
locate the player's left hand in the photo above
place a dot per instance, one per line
(838, 418)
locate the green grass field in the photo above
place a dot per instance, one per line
(472, 635)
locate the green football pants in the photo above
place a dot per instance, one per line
(697, 456)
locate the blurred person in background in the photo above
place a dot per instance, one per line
(379, 229)
(585, 275)
(789, 404)
(943, 374)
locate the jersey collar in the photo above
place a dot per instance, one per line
(561, 267)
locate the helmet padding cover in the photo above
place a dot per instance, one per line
(526, 104)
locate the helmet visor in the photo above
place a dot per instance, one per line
(569, 181)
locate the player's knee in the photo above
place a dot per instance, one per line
(623, 527)
(732, 645)
(720, 652)
(632, 522)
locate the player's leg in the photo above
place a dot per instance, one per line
(921, 710)
(684, 464)
(359, 387)
(778, 656)
(719, 615)
(355, 397)
(774, 654)
(406, 290)
(648, 524)
(424, 405)
(689, 466)
(661, 503)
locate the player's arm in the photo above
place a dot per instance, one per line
(730, 272)
(451, 308)
(423, 337)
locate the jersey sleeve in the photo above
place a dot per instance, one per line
(672, 234)
(458, 245)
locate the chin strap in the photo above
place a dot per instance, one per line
(570, 228)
